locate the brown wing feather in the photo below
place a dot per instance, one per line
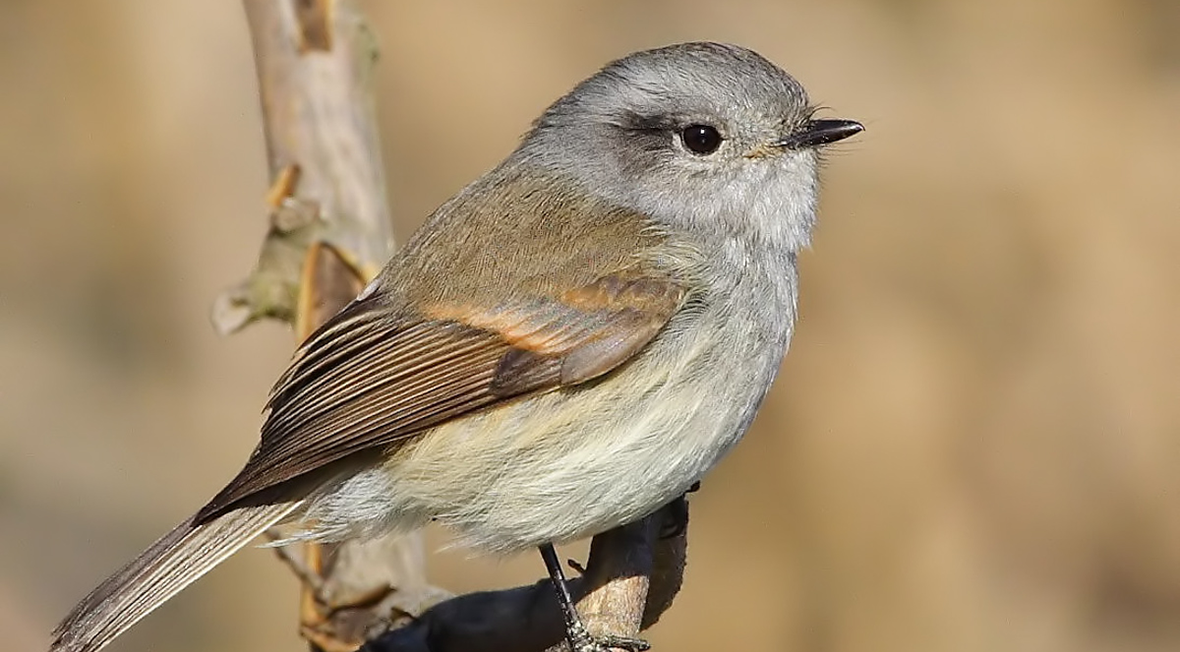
(366, 380)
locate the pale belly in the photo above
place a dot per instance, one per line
(572, 463)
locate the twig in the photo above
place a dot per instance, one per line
(297, 564)
(329, 232)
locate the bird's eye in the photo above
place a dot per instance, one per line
(701, 139)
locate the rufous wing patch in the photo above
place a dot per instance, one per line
(371, 377)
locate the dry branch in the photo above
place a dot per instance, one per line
(329, 233)
(630, 579)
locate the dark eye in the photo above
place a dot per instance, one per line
(701, 139)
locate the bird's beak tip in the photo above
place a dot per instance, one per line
(816, 133)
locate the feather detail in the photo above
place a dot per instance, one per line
(178, 559)
(375, 375)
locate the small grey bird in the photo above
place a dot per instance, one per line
(565, 346)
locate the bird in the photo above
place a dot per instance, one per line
(566, 345)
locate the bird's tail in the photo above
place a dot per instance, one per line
(160, 572)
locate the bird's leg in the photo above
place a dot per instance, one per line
(576, 634)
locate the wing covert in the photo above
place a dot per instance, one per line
(372, 376)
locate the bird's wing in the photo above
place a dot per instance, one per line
(366, 380)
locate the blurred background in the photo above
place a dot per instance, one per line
(974, 444)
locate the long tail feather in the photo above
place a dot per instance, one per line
(158, 573)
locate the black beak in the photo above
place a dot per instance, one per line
(815, 133)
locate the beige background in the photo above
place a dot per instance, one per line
(972, 446)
